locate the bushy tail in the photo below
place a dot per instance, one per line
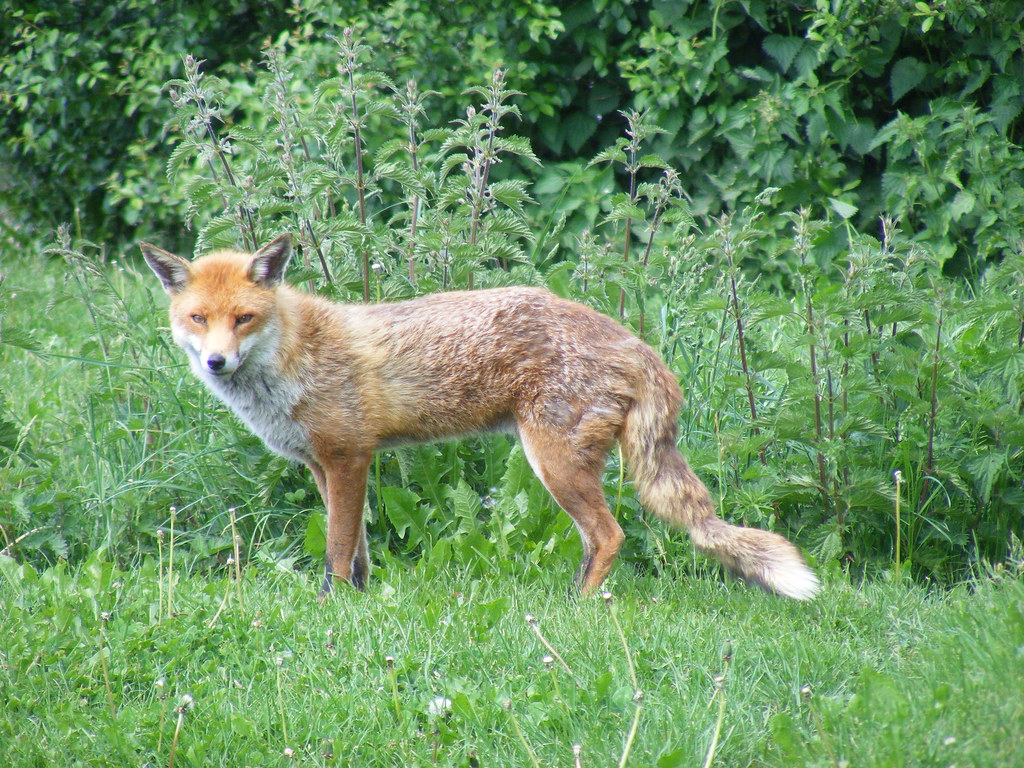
(669, 488)
(758, 557)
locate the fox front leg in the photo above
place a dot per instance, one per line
(342, 484)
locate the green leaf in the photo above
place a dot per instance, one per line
(786, 735)
(610, 155)
(963, 204)
(878, 696)
(242, 726)
(986, 469)
(16, 337)
(466, 506)
(406, 514)
(845, 210)
(653, 161)
(315, 541)
(577, 128)
(907, 74)
(782, 49)
(625, 211)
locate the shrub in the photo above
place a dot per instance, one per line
(888, 107)
(803, 404)
(81, 106)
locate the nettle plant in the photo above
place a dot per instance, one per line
(817, 361)
(348, 167)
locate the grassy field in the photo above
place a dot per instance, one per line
(158, 564)
(108, 657)
(431, 667)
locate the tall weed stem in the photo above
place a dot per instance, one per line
(898, 477)
(284, 110)
(279, 663)
(410, 109)
(104, 652)
(719, 693)
(184, 706)
(197, 110)
(933, 409)
(389, 662)
(808, 695)
(520, 735)
(728, 250)
(350, 52)
(535, 626)
(802, 246)
(170, 566)
(633, 136)
(638, 695)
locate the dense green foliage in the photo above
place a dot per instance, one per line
(782, 201)
(82, 109)
(889, 107)
(803, 405)
(841, 387)
(435, 667)
(895, 107)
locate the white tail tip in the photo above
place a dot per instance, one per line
(795, 580)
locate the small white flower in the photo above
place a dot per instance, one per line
(439, 707)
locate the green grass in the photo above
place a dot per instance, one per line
(817, 363)
(96, 451)
(95, 670)
(102, 431)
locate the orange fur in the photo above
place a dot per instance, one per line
(328, 384)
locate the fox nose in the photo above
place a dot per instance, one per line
(216, 363)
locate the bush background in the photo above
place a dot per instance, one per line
(910, 109)
(812, 211)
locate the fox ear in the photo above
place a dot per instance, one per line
(268, 265)
(174, 272)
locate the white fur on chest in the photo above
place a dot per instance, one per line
(264, 398)
(265, 401)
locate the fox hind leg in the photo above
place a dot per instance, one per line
(573, 478)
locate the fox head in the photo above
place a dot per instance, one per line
(224, 304)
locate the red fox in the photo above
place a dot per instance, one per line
(328, 384)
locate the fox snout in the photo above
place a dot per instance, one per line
(214, 350)
(220, 359)
(218, 364)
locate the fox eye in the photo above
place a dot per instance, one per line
(198, 319)
(243, 319)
